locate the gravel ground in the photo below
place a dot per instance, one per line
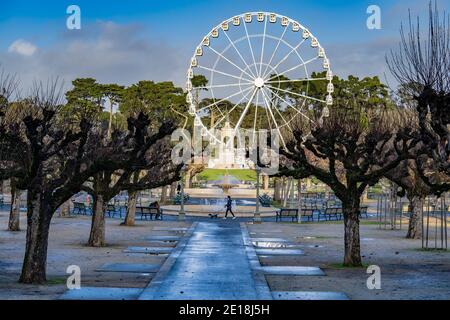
(67, 246)
(406, 271)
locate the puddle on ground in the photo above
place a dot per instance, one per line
(273, 244)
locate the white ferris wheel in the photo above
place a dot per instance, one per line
(256, 71)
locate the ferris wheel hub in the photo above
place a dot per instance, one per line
(259, 82)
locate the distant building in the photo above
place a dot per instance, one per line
(226, 155)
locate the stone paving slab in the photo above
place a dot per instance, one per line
(101, 293)
(211, 265)
(129, 267)
(169, 229)
(279, 252)
(149, 250)
(292, 270)
(268, 240)
(309, 295)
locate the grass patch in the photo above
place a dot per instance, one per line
(341, 266)
(332, 222)
(369, 222)
(216, 174)
(432, 250)
(56, 281)
(361, 222)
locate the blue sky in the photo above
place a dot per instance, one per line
(127, 41)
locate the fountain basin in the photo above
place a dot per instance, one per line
(205, 210)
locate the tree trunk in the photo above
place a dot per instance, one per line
(299, 199)
(97, 235)
(415, 218)
(173, 190)
(352, 255)
(265, 182)
(14, 213)
(131, 208)
(38, 225)
(282, 188)
(187, 180)
(276, 189)
(287, 191)
(110, 119)
(163, 195)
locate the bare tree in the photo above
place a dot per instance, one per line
(422, 67)
(364, 137)
(157, 169)
(8, 88)
(55, 161)
(408, 178)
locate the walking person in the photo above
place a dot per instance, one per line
(228, 206)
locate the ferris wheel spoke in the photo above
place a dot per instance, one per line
(286, 56)
(276, 48)
(251, 48)
(295, 80)
(224, 99)
(279, 113)
(296, 94)
(238, 124)
(290, 105)
(224, 116)
(240, 55)
(295, 67)
(223, 86)
(273, 118)
(262, 47)
(256, 117)
(230, 62)
(223, 73)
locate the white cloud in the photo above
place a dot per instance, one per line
(107, 51)
(22, 47)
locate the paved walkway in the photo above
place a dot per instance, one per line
(213, 264)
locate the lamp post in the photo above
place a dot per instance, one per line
(257, 216)
(181, 213)
(299, 200)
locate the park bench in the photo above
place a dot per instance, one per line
(330, 212)
(308, 213)
(112, 210)
(149, 212)
(80, 208)
(289, 213)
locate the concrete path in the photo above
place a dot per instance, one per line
(212, 264)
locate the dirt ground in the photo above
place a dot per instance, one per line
(407, 272)
(67, 246)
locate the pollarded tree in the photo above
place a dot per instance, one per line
(155, 170)
(156, 101)
(422, 67)
(8, 87)
(408, 178)
(57, 161)
(349, 150)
